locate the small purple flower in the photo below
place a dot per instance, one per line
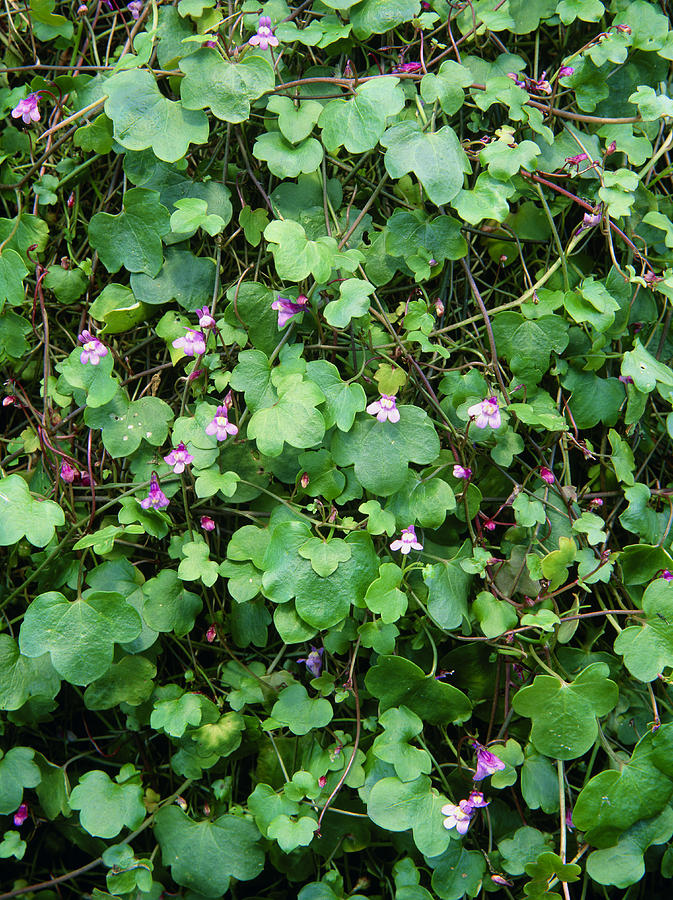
(92, 351)
(288, 308)
(205, 318)
(666, 575)
(589, 219)
(576, 160)
(265, 37)
(408, 67)
(210, 44)
(68, 473)
(156, 497)
(135, 7)
(313, 661)
(21, 815)
(458, 817)
(541, 85)
(207, 523)
(27, 109)
(211, 634)
(385, 409)
(179, 458)
(192, 344)
(462, 472)
(546, 475)
(220, 426)
(407, 541)
(477, 800)
(565, 71)
(486, 413)
(515, 78)
(626, 379)
(487, 763)
(569, 819)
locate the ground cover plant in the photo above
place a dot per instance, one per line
(336, 501)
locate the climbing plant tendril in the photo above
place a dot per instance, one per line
(336, 494)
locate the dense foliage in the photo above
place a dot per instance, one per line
(336, 496)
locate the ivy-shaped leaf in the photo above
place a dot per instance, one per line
(226, 88)
(106, 807)
(648, 648)
(22, 515)
(438, 159)
(133, 237)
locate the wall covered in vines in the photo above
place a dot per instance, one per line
(336, 494)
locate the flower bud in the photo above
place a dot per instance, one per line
(211, 634)
(304, 480)
(207, 523)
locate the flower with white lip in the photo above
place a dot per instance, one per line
(407, 541)
(485, 413)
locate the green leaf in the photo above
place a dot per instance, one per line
(12, 845)
(495, 616)
(125, 425)
(622, 458)
(381, 451)
(183, 277)
(167, 606)
(118, 308)
(298, 712)
(586, 10)
(523, 848)
(296, 257)
(342, 401)
(22, 677)
(359, 123)
(174, 711)
(295, 121)
(21, 514)
(645, 370)
(325, 556)
(197, 564)
(438, 159)
(393, 746)
(623, 864)
(398, 805)
(294, 419)
(448, 589)
(288, 160)
(613, 800)
(292, 832)
(564, 715)
(12, 273)
(191, 213)
(128, 681)
(378, 16)
(396, 681)
(353, 302)
(220, 738)
(13, 331)
(97, 381)
(253, 222)
(96, 137)
(486, 200)
(105, 808)
(539, 782)
(17, 771)
(383, 596)
(447, 86)
(80, 635)
(226, 88)
(203, 856)
(133, 237)
(457, 872)
(648, 648)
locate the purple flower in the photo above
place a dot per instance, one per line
(92, 351)
(487, 763)
(385, 408)
(408, 67)
(21, 815)
(134, 7)
(589, 219)
(179, 458)
(288, 308)
(477, 800)
(546, 475)
(211, 634)
(27, 109)
(207, 523)
(220, 426)
(569, 819)
(462, 472)
(666, 575)
(210, 44)
(68, 474)
(265, 37)
(205, 318)
(576, 160)
(565, 71)
(156, 497)
(192, 344)
(541, 85)
(313, 661)
(458, 817)
(407, 541)
(486, 413)
(517, 81)
(626, 379)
